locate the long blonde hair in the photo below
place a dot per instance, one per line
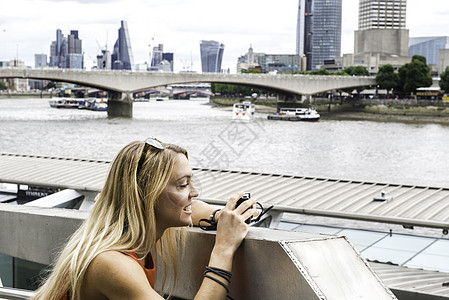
(122, 219)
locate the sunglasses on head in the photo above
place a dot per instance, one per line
(149, 142)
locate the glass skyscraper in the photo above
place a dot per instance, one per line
(211, 56)
(318, 31)
(122, 56)
(67, 52)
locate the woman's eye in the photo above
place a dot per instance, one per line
(184, 185)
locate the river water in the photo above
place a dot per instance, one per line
(358, 150)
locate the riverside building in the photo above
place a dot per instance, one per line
(266, 63)
(429, 47)
(318, 31)
(381, 38)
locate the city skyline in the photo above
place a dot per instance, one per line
(181, 25)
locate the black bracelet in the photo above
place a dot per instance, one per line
(212, 224)
(218, 281)
(223, 274)
(220, 272)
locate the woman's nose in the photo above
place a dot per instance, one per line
(194, 192)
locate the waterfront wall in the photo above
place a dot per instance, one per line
(424, 108)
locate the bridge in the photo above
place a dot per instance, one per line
(121, 84)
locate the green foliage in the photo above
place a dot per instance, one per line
(320, 72)
(414, 75)
(386, 78)
(3, 85)
(233, 89)
(50, 85)
(356, 71)
(444, 80)
(340, 73)
(251, 71)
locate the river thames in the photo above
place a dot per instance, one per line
(356, 150)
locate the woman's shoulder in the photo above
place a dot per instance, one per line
(112, 273)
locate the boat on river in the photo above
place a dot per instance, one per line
(243, 111)
(93, 104)
(64, 103)
(296, 114)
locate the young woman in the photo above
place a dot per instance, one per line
(147, 194)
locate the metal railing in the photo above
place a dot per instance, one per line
(14, 294)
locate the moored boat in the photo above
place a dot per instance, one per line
(64, 103)
(296, 114)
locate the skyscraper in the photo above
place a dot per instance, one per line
(385, 14)
(382, 27)
(318, 31)
(67, 52)
(74, 55)
(211, 56)
(122, 56)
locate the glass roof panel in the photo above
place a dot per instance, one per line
(430, 262)
(362, 238)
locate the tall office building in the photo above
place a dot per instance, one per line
(67, 52)
(74, 55)
(211, 56)
(318, 31)
(382, 27)
(122, 56)
(385, 14)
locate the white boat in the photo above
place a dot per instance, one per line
(296, 114)
(243, 111)
(64, 103)
(96, 104)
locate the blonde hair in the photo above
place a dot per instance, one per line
(122, 219)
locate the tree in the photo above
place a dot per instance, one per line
(444, 80)
(356, 71)
(3, 85)
(320, 72)
(386, 78)
(50, 85)
(414, 75)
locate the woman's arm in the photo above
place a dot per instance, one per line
(231, 231)
(202, 210)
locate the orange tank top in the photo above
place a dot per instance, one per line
(149, 272)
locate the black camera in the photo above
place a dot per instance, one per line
(245, 197)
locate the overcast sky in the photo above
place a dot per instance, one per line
(28, 27)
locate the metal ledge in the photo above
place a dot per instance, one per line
(270, 264)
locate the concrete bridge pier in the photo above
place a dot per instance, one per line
(120, 104)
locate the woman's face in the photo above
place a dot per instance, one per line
(174, 204)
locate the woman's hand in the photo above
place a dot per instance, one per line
(231, 228)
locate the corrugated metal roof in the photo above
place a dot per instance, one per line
(418, 205)
(413, 280)
(409, 204)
